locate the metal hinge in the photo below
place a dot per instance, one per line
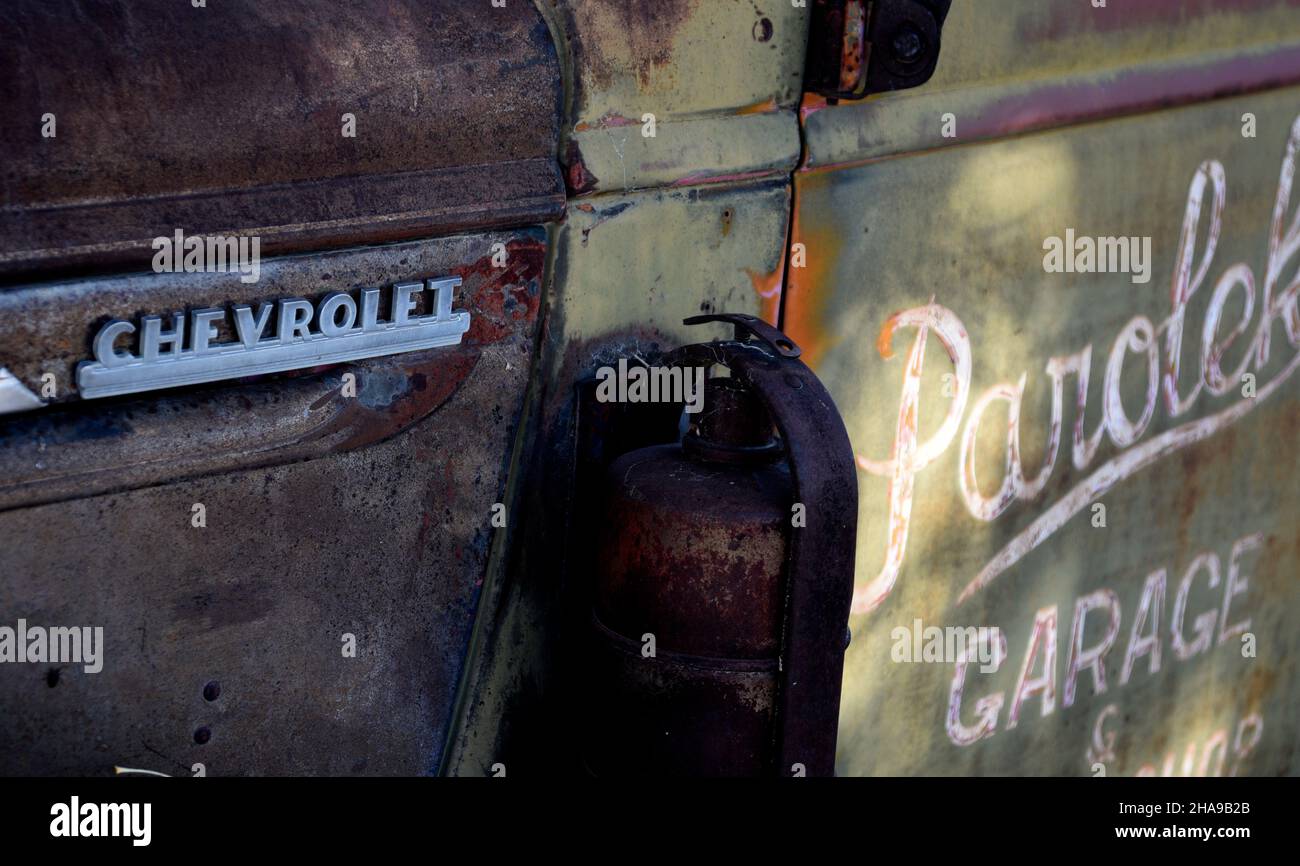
(859, 47)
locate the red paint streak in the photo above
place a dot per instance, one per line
(1138, 91)
(611, 120)
(1131, 91)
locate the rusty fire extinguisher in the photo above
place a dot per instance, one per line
(724, 577)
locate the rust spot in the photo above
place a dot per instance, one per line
(810, 104)
(806, 310)
(767, 105)
(1259, 685)
(611, 39)
(768, 288)
(609, 120)
(578, 179)
(505, 295)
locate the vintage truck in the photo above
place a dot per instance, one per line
(301, 305)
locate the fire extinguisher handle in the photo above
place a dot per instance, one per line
(747, 326)
(822, 550)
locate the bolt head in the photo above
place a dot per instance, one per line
(908, 44)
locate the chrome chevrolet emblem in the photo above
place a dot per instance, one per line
(340, 327)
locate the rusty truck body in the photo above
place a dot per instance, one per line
(1042, 254)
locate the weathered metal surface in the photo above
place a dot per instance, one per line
(721, 80)
(1035, 65)
(230, 119)
(116, 446)
(959, 362)
(691, 553)
(627, 270)
(390, 543)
